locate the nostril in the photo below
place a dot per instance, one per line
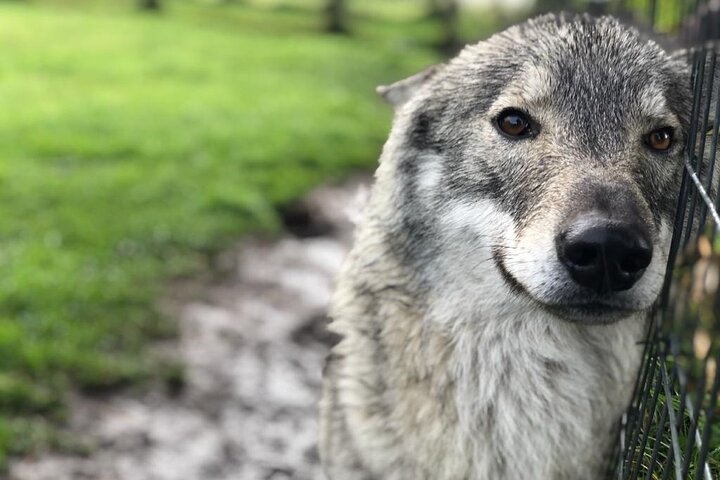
(636, 261)
(582, 254)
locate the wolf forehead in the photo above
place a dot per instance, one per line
(596, 71)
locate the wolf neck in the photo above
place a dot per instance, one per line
(543, 391)
(480, 379)
(531, 393)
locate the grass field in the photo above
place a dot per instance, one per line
(134, 145)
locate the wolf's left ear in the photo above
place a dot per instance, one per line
(686, 59)
(401, 91)
(683, 54)
(710, 93)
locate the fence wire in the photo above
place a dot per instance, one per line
(671, 430)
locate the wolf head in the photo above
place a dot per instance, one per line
(546, 159)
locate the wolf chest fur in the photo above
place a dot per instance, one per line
(514, 242)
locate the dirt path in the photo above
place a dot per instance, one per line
(253, 345)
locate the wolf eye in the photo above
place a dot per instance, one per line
(514, 123)
(659, 140)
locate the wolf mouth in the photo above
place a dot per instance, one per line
(596, 313)
(592, 311)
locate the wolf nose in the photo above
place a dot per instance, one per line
(605, 258)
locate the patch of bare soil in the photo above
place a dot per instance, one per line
(253, 345)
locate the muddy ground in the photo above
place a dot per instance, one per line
(253, 345)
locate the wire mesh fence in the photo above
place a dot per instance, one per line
(671, 430)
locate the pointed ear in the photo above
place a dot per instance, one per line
(708, 105)
(692, 63)
(400, 92)
(690, 59)
(684, 54)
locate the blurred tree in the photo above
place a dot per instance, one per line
(599, 7)
(151, 5)
(545, 6)
(434, 9)
(336, 16)
(596, 7)
(446, 11)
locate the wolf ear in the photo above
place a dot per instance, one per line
(400, 92)
(684, 54)
(709, 97)
(686, 57)
(710, 93)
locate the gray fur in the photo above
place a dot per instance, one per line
(460, 357)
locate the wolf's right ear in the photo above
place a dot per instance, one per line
(401, 91)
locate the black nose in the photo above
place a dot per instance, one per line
(604, 258)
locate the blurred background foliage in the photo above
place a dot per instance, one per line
(140, 138)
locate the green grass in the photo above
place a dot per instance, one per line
(133, 146)
(690, 367)
(659, 443)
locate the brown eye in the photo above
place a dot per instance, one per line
(660, 139)
(514, 123)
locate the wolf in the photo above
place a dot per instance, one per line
(492, 309)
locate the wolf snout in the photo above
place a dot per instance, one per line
(604, 257)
